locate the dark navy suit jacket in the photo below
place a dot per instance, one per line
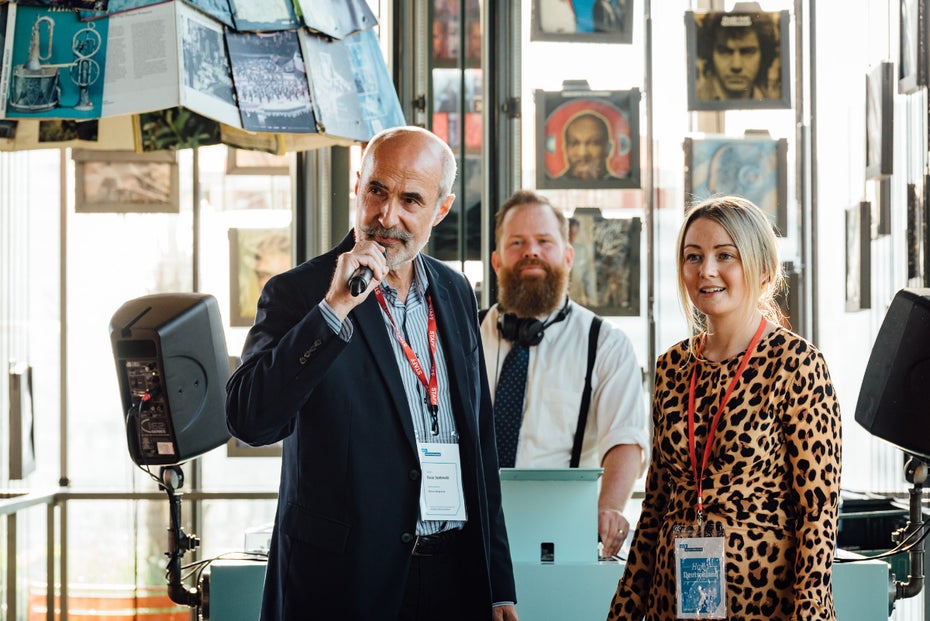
(350, 476)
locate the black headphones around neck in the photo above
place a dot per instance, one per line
(528, 331)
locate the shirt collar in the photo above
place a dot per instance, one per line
(417, 288)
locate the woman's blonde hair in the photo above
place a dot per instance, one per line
(755, 240)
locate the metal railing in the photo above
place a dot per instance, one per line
(12, 503)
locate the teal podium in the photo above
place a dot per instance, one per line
(552, 527)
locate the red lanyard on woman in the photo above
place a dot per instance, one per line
(432, 384)
(699, 476)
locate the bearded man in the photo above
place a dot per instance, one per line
(582, 402)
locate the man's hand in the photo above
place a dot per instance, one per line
(365, 252)
(613, 528)
(504, 613)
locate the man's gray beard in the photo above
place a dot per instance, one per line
(532, 297)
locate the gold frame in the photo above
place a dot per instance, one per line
(125, 182)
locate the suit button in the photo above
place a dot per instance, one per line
(414, 475)
(406, 538)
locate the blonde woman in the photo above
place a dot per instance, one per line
(742, 494)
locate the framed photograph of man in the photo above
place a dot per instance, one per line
(858, 257)
(912, 64)
(752, 167)
(605, 271)
(879, 121)
(738, 60)
(587, 139)
(583, 21)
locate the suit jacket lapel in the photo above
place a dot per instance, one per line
(370, 325)
(451, 320)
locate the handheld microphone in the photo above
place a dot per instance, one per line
(359, 280)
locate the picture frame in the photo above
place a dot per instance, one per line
(237, 448)
(912, 44)
(858, 257)
(879, 121)
(447, 24)
(789, 298)
(125, 182)
(248, 162)
(255, 255)
(22, 449)
(753, 167)
(709, 30)
(925, 229)
(912, 238)
(450, 106)
(880, 199)
(567, 116)
(605, 273)
(583, 21)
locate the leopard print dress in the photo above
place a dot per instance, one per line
(772, 481)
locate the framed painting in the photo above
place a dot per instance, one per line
(587, 139)
(858, 257)
(789, 298)
(914, 267)
(255, 255)
(605, 274)
(22, 453)
(125, 182)
(583, 21)
(754, 168)
(237, 448)
(738, 60)
(879, 196)
(912, 64)
(245, 162)
(879, 119)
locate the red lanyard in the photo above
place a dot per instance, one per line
(432, 384)
(698, 476)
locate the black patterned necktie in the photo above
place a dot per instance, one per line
(508, 404)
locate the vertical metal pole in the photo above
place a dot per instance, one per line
(63, 480)
(650, 196)
(806, 167)
(50, 562)
(11, 565)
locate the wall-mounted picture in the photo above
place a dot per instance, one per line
(912, 66)
(255, 255)
(911, 234)
(605, 272)
(22, 422)
(245, 162)
(447, 24)
(583, 21)
(237, 448)
(858, 257)
(754, 168)
(738, 60)
(879, 195)
(125, 182)
(587, 139)
(879, 119)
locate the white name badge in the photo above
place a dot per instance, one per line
(441, 496)
(700, 578)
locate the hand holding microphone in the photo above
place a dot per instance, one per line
(359, 280)
(361, 277)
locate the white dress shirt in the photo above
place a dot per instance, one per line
(555, 381)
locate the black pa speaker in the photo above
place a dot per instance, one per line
(893, 400)
(172, 364)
